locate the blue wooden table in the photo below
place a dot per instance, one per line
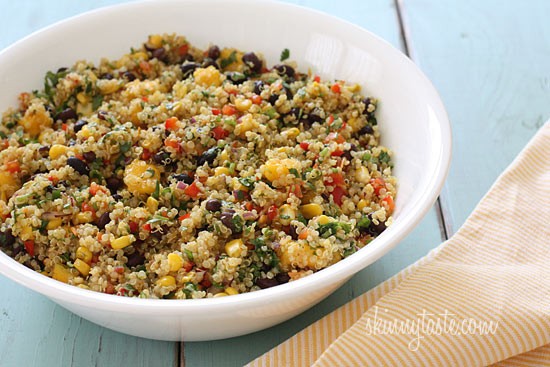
(489, 59)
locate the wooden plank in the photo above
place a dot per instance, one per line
(33, 330)
(490, 61)
(380, 17)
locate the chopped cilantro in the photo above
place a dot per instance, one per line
(97, 101)
(331, 228)
(294, 171)
(285, 54)
(228, 61)
(247, 182)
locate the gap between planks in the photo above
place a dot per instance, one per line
(441, 205)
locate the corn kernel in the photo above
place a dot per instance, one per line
(54, 223)
(152, 204)
(26, 233)
(231, 291)
(323, 219)
(108, 86)
(311, 210)
(155, 41)
(84, 254)
(175, 261)
(141, 177)
(248, 123)
(353, 88)
(83, 98)
(362, 204)
(140, 55)
(207, 76)
(286, 214)
(82, 267)
(57, 150)
(83, 217)
(223, 156)
(221, 294)
(122, 242)
(83, 286)
(234, 248)
(243, 104)
(362, 174)
(61, 273)
(291, 133)
(167, 281)
(273, 169)
(218, 171)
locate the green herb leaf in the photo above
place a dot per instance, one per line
(189, 254)
(124, 147)
(363, 223)
(237, 223)
(248, 182)
(285, 54)
(97, 101)
(294, 171)
(230, 60)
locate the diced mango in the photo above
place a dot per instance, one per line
(84, 254)
(274, 169)
(248, 123)
(152, 204)
(36, 118)
(209, 76)
(231, 291)
(82, 267)
(234, 248)
(54, 223)
(8, 185)
(57, 150)
(141, 177)
(61, 273)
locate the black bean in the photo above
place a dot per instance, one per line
(367, 129)
(102, 115)
(117, 197)
(114, 184)
(366, 102)
(107, 76)
(284, 70)
(209, 62)
(129, 76)
(183, 177)
(187, 57)
(208, 157)
(44, 150)
(148, 47)
(315, 116)
(227, 219)
(66, 114)
(376, 229)
(235, 77)
(252, 61)
(213, 52)
(347, 153)
(7, 239)
(103, 220)
(162, 158)
(282, 278)
(259, 86)
(78, 165)
(266, 283)
(188, 68)
(273, 98)
(79, 125)
(213, 205)
(89, 156)
(160, 54)
(72, 143)
(292, 232)
(135, 259)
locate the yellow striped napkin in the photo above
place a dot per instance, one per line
(481, 298)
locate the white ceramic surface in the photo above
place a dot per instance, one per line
(413, 122)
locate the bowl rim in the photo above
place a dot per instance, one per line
(350, 265)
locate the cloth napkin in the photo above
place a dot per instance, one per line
(481, 298)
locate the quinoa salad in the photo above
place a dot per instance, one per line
(177, 172)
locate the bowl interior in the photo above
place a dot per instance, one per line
(412, 119)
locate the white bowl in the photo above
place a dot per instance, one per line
(412, 120)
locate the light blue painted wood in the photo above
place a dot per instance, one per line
(490, 60)
(381, 18)
(33, 330)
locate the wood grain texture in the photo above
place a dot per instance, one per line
(490, 61)
(33, 330)
(380, 17)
